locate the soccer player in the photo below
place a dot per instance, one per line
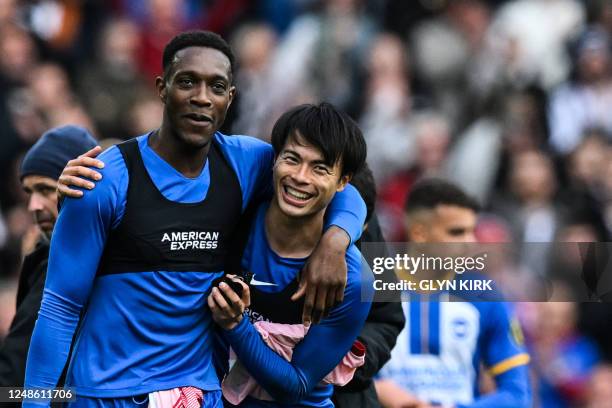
(136, 256)
(437, 357)
(40, 169)
(317, 149)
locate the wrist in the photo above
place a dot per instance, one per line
(235, 323)
(336, 238)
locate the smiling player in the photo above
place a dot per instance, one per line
(317, 150)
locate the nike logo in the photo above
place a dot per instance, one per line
(256, 282)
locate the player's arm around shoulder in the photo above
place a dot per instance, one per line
(83, 225)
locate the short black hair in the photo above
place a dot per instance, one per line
(363, 181)
(430, 193)
(198, 38)
(328, 129)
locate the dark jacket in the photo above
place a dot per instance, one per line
(383, 325)
(14, 348)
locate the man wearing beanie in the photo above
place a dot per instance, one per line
(39, 173)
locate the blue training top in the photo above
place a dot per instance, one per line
(146, 331)
(297, 382)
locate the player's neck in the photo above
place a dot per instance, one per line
(186, 159)
(292, 237)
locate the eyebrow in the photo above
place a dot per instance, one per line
(38, 186)
(215, 77)
(314, 161)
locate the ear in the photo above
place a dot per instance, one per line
(162, 90)
(232, 94)
(344, 180)
(417, 232)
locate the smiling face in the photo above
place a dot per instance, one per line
(42, 201)
(304, 184)
(196, 92)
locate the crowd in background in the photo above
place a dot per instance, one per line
(511, 100)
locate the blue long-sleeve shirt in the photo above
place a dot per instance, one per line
(325, 344)
(145, 331)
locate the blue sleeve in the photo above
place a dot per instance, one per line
(347, 211)
(76, 246)
(253, 160)
(505, 356)
(289, 382)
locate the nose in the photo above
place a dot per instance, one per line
(36, 202)
(301, 174)
(201, 96)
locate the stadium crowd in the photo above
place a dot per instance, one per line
(509, 99)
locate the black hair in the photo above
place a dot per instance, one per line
(430, 193)
(326, 128)
(363, 181)
(198, 38)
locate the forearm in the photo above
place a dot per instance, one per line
(50, 344)
(347, 211)
(278, 377)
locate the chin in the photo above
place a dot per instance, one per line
(291, 211)
(298, 212)
(195, 140)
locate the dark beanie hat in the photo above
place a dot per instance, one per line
(54, 149)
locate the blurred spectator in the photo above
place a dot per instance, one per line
(531, 36)
(599, 394)
(584, 102)
(574, 243)
(529, 206)
(18, 54)
(482, 139)
(446, 49)
(562, 357)
(387, 121)
(145, 114)
(607, 192)
(54, 99)
(57, 22)
(432, 141)
(110, 84)
(7, 306)
(159, 21)
(254, 46)
(8, 11)
(322, 54)
(588, 162)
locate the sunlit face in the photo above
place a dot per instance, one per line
(42, 201)
(444, 224)
(304, 184)
(196, 94)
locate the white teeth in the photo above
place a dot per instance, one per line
(297, 194)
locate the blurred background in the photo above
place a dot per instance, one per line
(512, 100)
